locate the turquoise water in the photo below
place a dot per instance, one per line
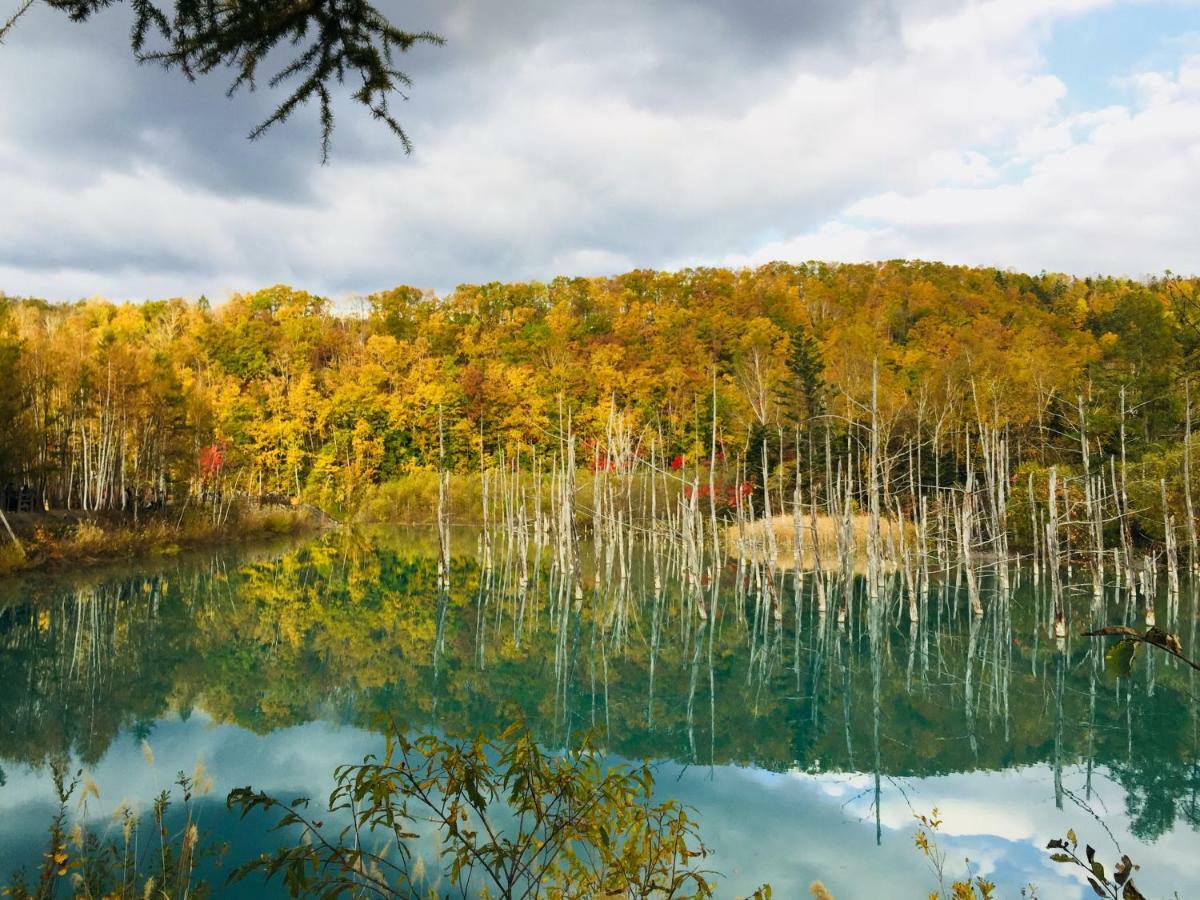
(805, 747)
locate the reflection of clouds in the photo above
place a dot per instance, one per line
(290, 762)
(788, 828)
(300, 757)
(791, 828)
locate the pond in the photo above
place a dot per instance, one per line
(806, 745)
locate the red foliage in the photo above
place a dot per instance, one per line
(212, 459)
(602, 462)
(728, 496)
(744, 488)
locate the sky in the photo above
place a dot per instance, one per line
(557, 137)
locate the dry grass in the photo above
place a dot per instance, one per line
(89, 538)
(753, 539)
(412, 499)
(82, 539)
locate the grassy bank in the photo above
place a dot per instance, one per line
(412, 499)
(74, 538)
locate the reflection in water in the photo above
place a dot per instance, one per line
(861, 719)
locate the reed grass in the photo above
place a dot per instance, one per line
(49, 541)
(752, 539)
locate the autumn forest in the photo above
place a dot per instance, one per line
(110, 406)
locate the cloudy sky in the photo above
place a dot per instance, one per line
(564, 137)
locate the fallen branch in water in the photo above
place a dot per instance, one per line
(1119, 657)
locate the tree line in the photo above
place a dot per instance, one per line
(121, 406)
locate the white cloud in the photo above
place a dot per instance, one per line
(588, 150)
(994, 23)
(1102, 193)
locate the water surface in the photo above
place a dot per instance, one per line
(805, 746)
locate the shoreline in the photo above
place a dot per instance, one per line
(72, 539)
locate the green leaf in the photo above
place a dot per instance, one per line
(1118, 659)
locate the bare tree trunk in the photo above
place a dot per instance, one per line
(1193, 541)
(1091, 505)
(8, 529)
(1059, 622)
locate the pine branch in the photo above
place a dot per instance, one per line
(333, 39)
(12, 20)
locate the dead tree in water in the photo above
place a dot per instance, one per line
(797, 536)
(874, 537)
(1052, 555)
(1193, 541)
(1172, 554)
(443, 510)
(966, 530)
(1091, 506)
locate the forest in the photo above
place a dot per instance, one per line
(117, 406)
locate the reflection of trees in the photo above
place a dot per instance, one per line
(346, 630)
(1158, 773)
(78, 668)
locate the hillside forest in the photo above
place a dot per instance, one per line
(771, 370)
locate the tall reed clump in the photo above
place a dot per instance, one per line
(123, 858)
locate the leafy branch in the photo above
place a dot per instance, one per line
(1119, 887)
(573, 827)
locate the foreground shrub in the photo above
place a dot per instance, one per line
(510, 819)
